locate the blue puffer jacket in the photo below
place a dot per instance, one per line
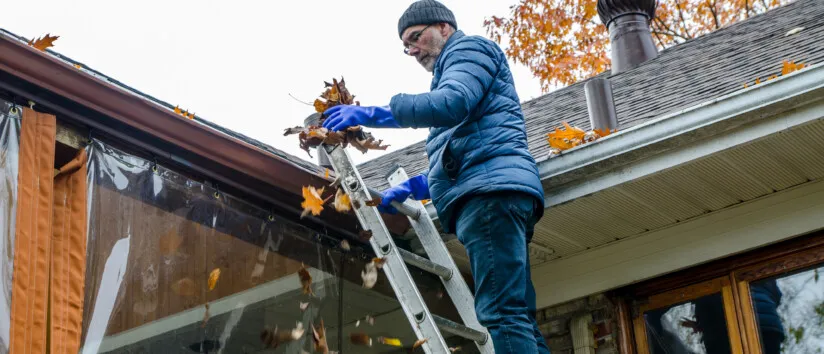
(477, 138)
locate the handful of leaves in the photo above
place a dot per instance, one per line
(335, 94)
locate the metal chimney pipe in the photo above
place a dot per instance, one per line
(323, 157)
(600, 104)
(629, 35)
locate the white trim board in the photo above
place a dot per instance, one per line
(746, 226)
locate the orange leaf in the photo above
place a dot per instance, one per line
(419, 343)
(177, 110)
(342, 203)
(360, 339)
(213, 276)
(305, 280)
(604, 132)
(78, 66)
(42, 43)
(319, 339)
(312, 202)
(326, 173)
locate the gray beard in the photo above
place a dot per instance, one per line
(429, 64)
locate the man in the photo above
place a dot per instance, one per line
(481, 177)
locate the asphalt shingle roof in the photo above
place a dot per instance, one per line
(682, 76)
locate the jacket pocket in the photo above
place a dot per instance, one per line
(448, 162)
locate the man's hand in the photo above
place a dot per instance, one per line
(417, 187)
(344, 116)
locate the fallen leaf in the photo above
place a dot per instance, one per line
(177, 110)
(206, 316)
(326, 173)
(357, 323)
(319, 339)
(419, 343)
(370, 320)
(273, 338)
(374, 202)
(566, 139)
(395, 342)
(757, 80)
(184, 287)
(379, 261)
(305, 280)
(213, 276)
(604, 132)
(293, 130)
(369, 275)
(360, 339)
(793, 31)
(78, 66)
(342, 202)
(170, 242)
(312, 202)
(454, 349)
(46, 41)
(365, 235)
(344, 245)
(304, 306)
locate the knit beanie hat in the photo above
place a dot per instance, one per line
(425, 12)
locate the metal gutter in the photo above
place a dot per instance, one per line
(685, 135)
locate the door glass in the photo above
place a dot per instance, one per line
(694, 327)
(789, 310)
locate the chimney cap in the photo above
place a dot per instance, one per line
(609, 10)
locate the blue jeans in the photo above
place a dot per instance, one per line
(495, 229)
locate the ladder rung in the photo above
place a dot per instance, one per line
(425, 264)
(458, 329)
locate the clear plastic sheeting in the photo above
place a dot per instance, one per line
(9, 150)
(176, 266)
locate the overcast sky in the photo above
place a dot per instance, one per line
(235, 63)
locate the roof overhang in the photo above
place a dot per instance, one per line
(91, 99)
(682, 136)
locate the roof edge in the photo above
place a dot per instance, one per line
(569, 175)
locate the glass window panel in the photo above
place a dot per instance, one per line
(789, 310)
(694, 327)
(9, 149)
(156, 236)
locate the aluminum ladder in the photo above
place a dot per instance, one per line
(423, 322)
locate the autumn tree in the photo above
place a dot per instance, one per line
(563, 41)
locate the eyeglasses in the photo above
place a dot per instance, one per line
(413, 39)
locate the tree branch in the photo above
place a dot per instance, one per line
(660, 41)
(714, 13)
(747, 8)
(681, 15)
(766, 7)
(669, 31)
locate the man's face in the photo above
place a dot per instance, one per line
(425, 42)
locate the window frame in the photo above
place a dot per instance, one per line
(783, 265)
(721, 285)
(738, 271)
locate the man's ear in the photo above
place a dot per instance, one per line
(443, 27)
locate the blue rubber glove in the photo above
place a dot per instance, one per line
(344, 116)
(417, 187)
